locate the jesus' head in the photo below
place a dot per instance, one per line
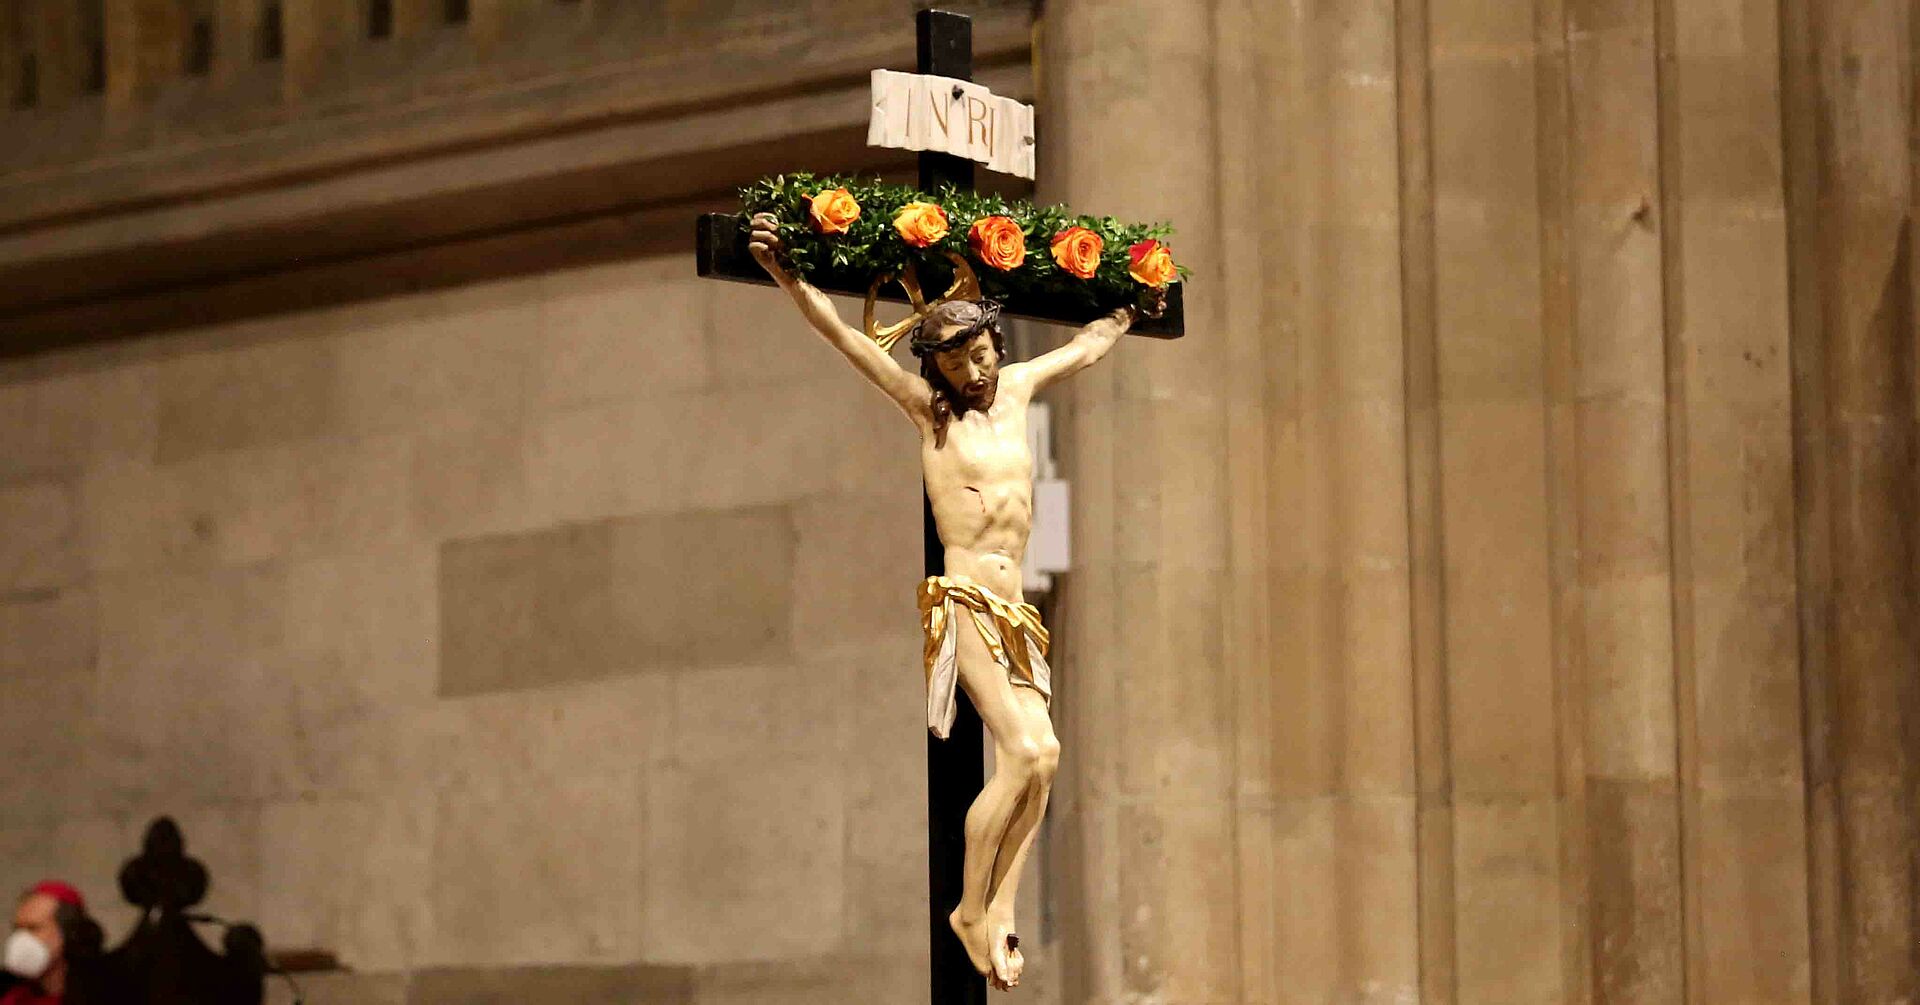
(960, 348)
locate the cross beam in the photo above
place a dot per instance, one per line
(721, 253)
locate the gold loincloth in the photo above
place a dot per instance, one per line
(1013, 633)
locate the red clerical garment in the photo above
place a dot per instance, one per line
(27, 994)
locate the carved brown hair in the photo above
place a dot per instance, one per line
(973, 317)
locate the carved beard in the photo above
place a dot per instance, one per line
(979, 397)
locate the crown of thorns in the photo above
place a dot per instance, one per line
(922, 341)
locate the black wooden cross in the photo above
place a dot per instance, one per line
(956, 768)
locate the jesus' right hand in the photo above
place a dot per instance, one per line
(764, 244)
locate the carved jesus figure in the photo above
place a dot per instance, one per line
(971, 413)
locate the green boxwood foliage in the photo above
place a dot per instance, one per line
(871, 248)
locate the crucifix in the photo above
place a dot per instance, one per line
(985, 656)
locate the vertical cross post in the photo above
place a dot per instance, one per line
(956, 769)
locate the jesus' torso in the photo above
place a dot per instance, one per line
(981, 486)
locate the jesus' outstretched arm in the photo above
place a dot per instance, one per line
(908, 390)
(1086, 348)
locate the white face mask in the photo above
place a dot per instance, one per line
(26, 956)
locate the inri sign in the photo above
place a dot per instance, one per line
(918, 111)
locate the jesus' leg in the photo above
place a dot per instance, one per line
(1023, 766)
(1004, 889)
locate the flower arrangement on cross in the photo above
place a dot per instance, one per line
(853, 230)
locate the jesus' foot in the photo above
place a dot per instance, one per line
(1004, 950)
(974, 936)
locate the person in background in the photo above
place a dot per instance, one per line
(50, 926)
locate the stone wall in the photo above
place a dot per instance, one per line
(557, 623)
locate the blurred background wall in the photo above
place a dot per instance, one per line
(1505, 593)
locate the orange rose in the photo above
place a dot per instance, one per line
(833, 212)
(997, 241)
(1077, 250)
(1152, 263)
(921, 224)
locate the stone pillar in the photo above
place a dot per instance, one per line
(59, 50)
(1496, 115)
(236, 38)
(145, 40)
(1621, 643)
(496, 23)
(1338, 670)
(1506, 616)
(14, 45)
(1145, 693)
(1855, 413)
(416, 17)
(1738, 657)
(1238, 665)
(1433, 770)
(318, 33)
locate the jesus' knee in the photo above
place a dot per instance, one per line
(1033, 758)
(1047, 764)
